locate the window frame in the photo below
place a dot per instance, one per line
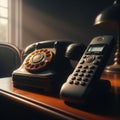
(15, 18)
(15, 22)
(5, 18)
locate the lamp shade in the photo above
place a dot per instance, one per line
(109, 18)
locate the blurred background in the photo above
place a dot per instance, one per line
(61, 19)
(23, 22)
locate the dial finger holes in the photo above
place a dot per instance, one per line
(42, 63)
(28, 60)
(45, 50)
(32, 66)
(32, 53)
(48, 55)
(37, 65)
(28, 65)
(37, 51)
(38, 59)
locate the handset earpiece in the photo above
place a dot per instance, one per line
(28, 50)
(61, 46)
(74, 51)
(37, 45)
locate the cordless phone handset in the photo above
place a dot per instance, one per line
(88, 70)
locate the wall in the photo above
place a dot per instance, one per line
(61, 19)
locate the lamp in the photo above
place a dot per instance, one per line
(109, 19)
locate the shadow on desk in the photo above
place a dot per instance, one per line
(100, 104)
(16, 111)
(107, 105)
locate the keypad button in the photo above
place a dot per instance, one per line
(81, 74)
(76, 82)
(78, 70)
(85, 67)
(79, 78)
(90, 59)
(73, 78)
(75, 74)
(80, 66)
(88, 75)
(82, 83)
(84, 56)
(71, 82)
(83, 71)
(85, 79)
(96, 62)
(82, 62)
(92, 67)
(90, 71)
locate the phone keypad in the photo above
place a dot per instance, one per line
(85, 70)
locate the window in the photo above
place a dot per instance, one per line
(10, 21)
(4, 20)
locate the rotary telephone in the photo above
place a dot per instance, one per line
(47, 64)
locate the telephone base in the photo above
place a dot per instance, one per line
(42, 84)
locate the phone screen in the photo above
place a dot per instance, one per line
(96, 48)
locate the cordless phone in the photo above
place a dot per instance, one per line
(86, 75)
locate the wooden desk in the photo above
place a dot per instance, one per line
(55, 107)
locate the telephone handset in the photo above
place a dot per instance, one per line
(81, 84)
(46, 65)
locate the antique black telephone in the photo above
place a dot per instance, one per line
(47, 64)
